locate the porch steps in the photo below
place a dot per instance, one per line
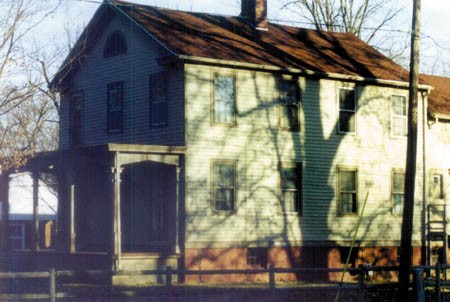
(132, 266)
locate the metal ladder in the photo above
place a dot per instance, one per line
(437, 231)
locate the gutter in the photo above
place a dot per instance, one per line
(440, 116)
(335, 76)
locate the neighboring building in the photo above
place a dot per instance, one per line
(20, 231)
(20, 217)
(205, 141)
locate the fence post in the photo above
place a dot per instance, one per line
(272, 282)
(361, 275)
(52, 285)
(438, 282)
(168, 276)
(271, 276)
(418, 285)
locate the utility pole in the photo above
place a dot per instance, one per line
(411, 159)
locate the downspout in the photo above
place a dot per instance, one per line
(424, 183)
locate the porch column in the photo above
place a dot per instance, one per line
(72, 248)
(116, 242)
(35, 225)
(177, 213)
(4, 197)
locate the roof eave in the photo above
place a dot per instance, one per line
(311, 73)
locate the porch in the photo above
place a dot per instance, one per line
(119, 208)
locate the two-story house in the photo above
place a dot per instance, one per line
(205, 141)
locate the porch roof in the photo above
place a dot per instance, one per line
(52, 160)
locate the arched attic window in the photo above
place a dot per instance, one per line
(115, 44)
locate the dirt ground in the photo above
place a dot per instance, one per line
(208, 294)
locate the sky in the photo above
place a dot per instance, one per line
(21, 196)
(435, 19)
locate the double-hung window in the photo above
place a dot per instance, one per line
(436, 188)
(399, 120)
(158, 100)
(224, 185)
(398, 192)
(289, 105)
(347, 111)
(224, 107)
(76, 104)
(115, 107)
(290, 187)
(347, 190)
(17, 236)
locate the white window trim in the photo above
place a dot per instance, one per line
(281, 106)
(215, 162)
(338, 189)
(298, 166)
(346, 110)
(431, 174)
(392, 115)
(396, 171)
(233, 123)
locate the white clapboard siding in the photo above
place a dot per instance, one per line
(258, 146)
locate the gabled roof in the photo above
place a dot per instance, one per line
(439, 98)
(232, 39)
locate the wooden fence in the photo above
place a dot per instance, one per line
(421, 279)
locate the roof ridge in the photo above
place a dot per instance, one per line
(127, 3)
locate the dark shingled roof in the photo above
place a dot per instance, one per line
(233, 39)
(439, 99)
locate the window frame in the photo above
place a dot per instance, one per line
(433, 173)
(110, 87)
(299, 167)
(116, 51)
(393, 192)
(163, 77)
(347, 110)
(79, 95)
(282, 81)
(21, 238)
(257, 257)
(340, 192)
(217, 162)
(393, 116)
(233, 123)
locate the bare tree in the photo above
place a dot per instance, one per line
(353, 16)
(367, 19)
(26, 109)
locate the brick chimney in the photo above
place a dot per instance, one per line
(255, 11)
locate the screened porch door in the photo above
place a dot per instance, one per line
(148, 194)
